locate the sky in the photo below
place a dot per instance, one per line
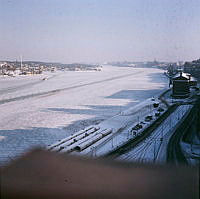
(70, 31)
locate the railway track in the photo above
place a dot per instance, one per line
(175, 154)
(137, 140)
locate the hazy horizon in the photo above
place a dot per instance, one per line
(89, 31)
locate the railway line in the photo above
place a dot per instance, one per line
(148, 149)
(144, 135)
(175, 153)
(143, 147)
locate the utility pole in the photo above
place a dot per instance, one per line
(112, 143)
(154, 151)
(21, 63)
(149, 109)
(94, 151)
(162, 134)
(170, 121)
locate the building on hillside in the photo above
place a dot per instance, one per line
(181, 86)
(193, 81)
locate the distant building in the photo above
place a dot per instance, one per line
(181, 86)
(193, 81)
(193, 68)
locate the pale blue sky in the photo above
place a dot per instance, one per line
(100, 30)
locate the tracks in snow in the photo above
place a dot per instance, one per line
(21, 87)
(59, 90)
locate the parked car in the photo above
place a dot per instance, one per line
(148, 118)
(160, 109)
(157, 114)
(155, 105)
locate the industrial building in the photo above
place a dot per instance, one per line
(181, 86)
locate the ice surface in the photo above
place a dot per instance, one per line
(34, 112)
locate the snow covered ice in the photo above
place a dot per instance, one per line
(38, 113)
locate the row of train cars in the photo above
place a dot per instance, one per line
(80, 140)
(94, 135)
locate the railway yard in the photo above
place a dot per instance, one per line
(148, 138)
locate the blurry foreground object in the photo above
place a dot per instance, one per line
(42, 174)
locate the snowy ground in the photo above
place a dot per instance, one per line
(154, 147)
(126, 132)
(36, 112)
(192, 152)
(98, 140)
